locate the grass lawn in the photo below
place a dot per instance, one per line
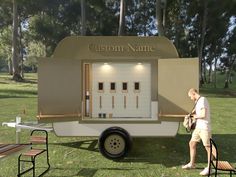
(150, 157)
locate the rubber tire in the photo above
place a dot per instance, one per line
(117, 140)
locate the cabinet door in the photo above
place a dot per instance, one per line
(175, 78)
(59, 89)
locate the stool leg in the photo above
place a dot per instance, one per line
(19, 166)
(33, 162)
(48, 160)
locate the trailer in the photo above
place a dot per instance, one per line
(115, 88)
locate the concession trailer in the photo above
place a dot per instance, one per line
(115, 88)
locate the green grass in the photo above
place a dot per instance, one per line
(12, 89)
(150, 157)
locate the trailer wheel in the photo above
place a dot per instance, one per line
(114, 143)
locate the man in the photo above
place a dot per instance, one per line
(202, 132)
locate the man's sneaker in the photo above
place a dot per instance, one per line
(204, 172)
(188, 166)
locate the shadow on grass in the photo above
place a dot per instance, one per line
(175, 151)
(218, 92)
(3, 82)
(86, 172)
(90, 145)
(13, 93)
(169, 152)
(31, 81)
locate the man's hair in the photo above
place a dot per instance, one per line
(192, 90)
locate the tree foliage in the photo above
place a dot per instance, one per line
(204, 29)
(5, 47)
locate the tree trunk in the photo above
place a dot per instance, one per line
(10, 68)
(202, 40)
(228, 73)
(122, 18)
(210, 75)
(15, 51)
(83, 18)
(178, 26)
(210, 63)
(204, 71)
(226, 79)
(159, 17)
(21, 54)
(164, 14)
(215, 81)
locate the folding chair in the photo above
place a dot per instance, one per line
(35, 151)
(216, 163)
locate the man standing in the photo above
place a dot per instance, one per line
(202, 132)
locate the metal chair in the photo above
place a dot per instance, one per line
(35, 151)
(216, 163)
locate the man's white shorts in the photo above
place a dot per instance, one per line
(203, 135)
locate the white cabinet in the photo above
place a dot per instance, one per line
(131, 96)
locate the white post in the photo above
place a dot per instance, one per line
(154, 110)
(18, 129)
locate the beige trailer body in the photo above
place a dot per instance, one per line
(137, 83)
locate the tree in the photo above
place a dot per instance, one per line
(201, 42)
(15, 43)
(230, 60)
(177, 27)
(6, 48)
(48, 30)
(5, 34)
(140, 18)
(5, 13)
(215, 39)
(194, 28)
(34, 50)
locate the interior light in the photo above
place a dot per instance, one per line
(106, 67)
(139, 67)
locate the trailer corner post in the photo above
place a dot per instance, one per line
(18, 129)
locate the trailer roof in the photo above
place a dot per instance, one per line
(115, 47)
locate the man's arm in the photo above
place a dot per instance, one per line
(201, 115)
